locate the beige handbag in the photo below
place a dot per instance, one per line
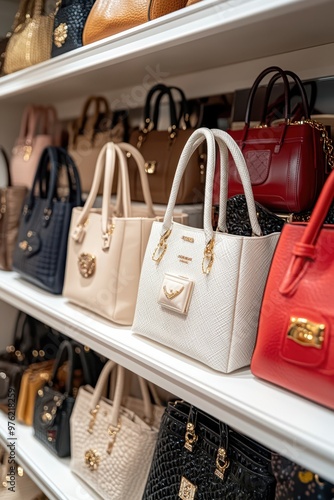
(31, 41)
(39, 129)
(112, 447)
(105, 253)
(88, 134)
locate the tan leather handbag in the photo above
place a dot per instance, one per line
(31, 41)
(109, 17)
(89, 133)
(39, 129)
(105, 252)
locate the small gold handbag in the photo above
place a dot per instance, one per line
(31, 40)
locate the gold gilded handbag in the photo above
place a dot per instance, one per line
(31, 41)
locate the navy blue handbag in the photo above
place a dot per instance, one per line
(40, 251)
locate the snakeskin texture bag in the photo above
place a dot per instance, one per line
(197, 456)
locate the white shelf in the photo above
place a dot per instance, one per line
(50, 473)
(284, 422)
(207, 35)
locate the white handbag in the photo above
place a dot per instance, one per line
(111, 445)
(200, 291)
(105, 253)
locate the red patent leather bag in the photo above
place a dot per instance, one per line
(295, 343)
(286, 162)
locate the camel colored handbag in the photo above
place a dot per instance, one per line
(110, 17)
(31, 41)
(105, 252)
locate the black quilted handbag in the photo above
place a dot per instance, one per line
(40, 251)
(294, 481)
(197, 457)
(68, 26)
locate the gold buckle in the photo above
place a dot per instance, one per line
(306, 333)
(208, 256)
(161, 247)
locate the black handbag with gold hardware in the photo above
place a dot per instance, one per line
(199, 457)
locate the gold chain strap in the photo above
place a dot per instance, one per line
(327, 141)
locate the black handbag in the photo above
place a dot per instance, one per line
(33, 341)
(199, 457)
(68, 26)
(238, 217)
(40, 252)
(294, 481)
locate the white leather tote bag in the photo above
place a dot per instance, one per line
(111, 445)
(200, 291)
(105, 252)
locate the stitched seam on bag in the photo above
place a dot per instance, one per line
(235, 304)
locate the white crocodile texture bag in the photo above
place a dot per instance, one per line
(111, 445)
(200, 291)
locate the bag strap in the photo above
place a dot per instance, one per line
(305, 250)
(118, 395)
(78, 127)
(184, 113)
(149, 111)
(65, 351)
(267, 113)
(225, 140)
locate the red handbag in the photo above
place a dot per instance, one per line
(286, 162)
(295, 343)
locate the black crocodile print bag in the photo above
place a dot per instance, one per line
(197, 457)
(69, 24)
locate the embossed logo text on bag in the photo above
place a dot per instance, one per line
(187, 489)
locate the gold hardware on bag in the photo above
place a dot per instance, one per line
(87, 264)
(188, 238)
(92, 420)
(3, 205)
(305, 476)
(107, 236)
(327, 141)
(208, 256)
(60, 35)
(190, 437)
(202, 163)
(46, 417)
(172, 293)
(187, 489)
(306, 333)
(27, 150)
(150, 166)
(92, 459)
(112, 431)
(222, 463)
(317, 480)
(161, 247)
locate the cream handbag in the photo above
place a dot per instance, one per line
(112, 446)
(105, 253)
(200, 291)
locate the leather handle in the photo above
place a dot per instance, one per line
(184, 108)
(305, 251)
(261, 76)
(148, 114)
(299, 87)
(100, 104)
(64, 348)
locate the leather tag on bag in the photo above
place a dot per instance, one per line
(176, 293)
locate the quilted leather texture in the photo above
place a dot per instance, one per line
(294, 481)
(228, 299)
(12, 198)
(74, 15)
(45, 267)
(107, 18)
(296, 174)
(247, 477)
(122, 474)
(308, 371)
(54, 434)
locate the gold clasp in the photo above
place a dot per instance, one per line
(112, 431)
(27, 150)
(306, 333)
(107, 236)
(161, 247)
(150, 166)
(208, 256)
(222, 463)
(92, 420)
(190, 437)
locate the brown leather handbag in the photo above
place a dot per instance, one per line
(162, 149)
(286, 163)
(109, 17)
(89, 133)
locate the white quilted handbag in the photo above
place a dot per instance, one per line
(200, 291)
(111, 445)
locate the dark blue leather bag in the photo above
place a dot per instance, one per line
(40, 251)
